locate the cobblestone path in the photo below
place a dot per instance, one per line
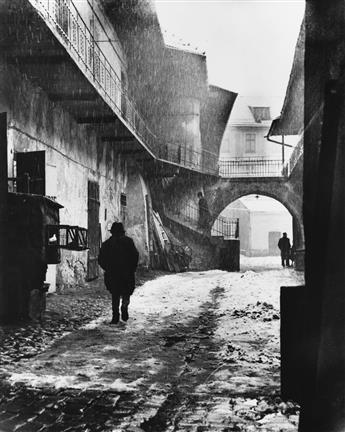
(177, 371)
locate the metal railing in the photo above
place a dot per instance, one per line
(250, 167)
(226, 227)
(65, 21)
(222, 226)
(183, 154)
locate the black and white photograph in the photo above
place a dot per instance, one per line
(172, 216)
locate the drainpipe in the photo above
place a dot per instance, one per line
(282, 142)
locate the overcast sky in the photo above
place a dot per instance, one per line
(249, 44)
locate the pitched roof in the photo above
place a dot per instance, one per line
(215, 115)
(253, 111)
(291, 119)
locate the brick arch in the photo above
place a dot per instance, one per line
(224, 193)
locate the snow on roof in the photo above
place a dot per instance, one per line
(173, 41)
(245, 108)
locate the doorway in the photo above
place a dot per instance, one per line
(94, 229)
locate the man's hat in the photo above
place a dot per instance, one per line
(117, 228)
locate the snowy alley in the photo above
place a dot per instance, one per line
(199, 353)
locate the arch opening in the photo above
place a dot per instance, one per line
(262, 221)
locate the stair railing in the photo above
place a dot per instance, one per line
(222, 226)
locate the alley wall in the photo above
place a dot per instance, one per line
(74, 157)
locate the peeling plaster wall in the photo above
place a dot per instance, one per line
(183, 123)
(35, 123)
(137, 216)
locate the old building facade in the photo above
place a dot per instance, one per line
(97, 108)
(63, 86)
(245, 150)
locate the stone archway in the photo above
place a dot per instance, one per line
(223, 193)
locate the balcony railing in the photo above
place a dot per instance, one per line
(65, 21)
(182, 154)
(250, 167)
(222, 226)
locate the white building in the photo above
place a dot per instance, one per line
(262, 221)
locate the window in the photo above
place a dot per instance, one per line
(260, 113)
(123, 200)
(31, 172)
(250, 143)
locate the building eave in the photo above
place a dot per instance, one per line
(290, 121)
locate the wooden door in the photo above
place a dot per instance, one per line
(94, 237)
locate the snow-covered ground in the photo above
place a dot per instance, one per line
(215, 334)
(260, 263)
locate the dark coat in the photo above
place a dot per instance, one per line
(118, 257)
(284, 245)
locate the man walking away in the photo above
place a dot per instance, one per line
(118, 257)
(284, 246)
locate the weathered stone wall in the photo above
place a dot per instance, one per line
(138, 209)
(220, 193)
(287, 192)
(73, 153)
(322, 378)
(206, 254)
(182, 124)
(181, 192)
